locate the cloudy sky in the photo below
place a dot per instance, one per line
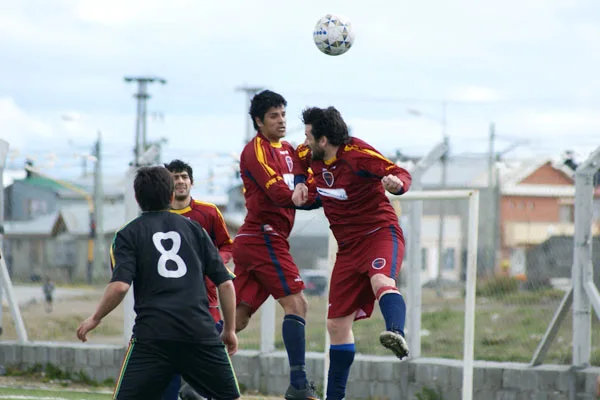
(531, 67)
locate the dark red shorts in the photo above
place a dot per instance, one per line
(263, 268)
(213, 299)
(350, 291)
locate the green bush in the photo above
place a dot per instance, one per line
(498, 286)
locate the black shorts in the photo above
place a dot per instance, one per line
(149, 366)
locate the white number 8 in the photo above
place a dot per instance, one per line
(166, 255)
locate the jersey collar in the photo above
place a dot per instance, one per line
(185, 209)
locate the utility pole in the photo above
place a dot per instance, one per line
(493, 203)
(98, 215)
(3, 154)
(142, 96)
(250, 92)
(442, 203)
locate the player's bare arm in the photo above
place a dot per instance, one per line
(113, 296)
(227, 298)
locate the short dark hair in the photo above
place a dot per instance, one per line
(261, 103)
(153, 188)
(178, 166)
(326, 122)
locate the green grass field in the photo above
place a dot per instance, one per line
(46, 394)
(509, 324)
(508, 327)
(19, 393)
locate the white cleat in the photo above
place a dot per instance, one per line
(395, 342)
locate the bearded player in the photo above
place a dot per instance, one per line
(351, 179)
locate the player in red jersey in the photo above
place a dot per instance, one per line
(209, 216)
(351, 179)
(263, 264)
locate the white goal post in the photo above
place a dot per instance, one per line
(414, 280)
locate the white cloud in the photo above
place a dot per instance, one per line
(563, 122)
(475, 94)
(17, 127)
(72, 54)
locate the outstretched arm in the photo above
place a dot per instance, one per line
(123, 264)
(395, 179)
(113, 296)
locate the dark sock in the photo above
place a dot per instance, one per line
(294, 341)
(341, 357)
(393, 308)
(172, 391)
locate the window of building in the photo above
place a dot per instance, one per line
(449, 257)
(565, 213)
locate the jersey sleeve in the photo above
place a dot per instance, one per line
(122, 258)
(255, 163)
(222, 239)
(211, 259)
(302, 170)
(304, 174)
(375, 164)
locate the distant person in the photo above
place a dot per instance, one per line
(48, 288)
(166, 256)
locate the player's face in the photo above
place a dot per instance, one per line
(317, 148)
(183, 185)
(273, 124)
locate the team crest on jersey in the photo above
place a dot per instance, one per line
(328, 178)
(289, 162)
(378, 263)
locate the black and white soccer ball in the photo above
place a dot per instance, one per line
(333, 35)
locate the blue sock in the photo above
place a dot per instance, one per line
(294, 340)
(172, 391)
(341, 357)
(219, 326)
(393, 308)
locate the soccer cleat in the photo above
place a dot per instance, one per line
(308, 393)
(395, 342)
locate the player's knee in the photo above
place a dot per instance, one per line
(379, 281)
(295, 304)
(242, 317)
(340, 329)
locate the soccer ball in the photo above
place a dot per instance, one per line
(333, 35)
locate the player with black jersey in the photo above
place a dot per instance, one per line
(166, 256)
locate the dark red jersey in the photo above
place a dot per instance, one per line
(267, 171)
(351, 191)
(211, 219)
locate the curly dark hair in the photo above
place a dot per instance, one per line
(178, 166)
(326, 122)
(261, 103)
